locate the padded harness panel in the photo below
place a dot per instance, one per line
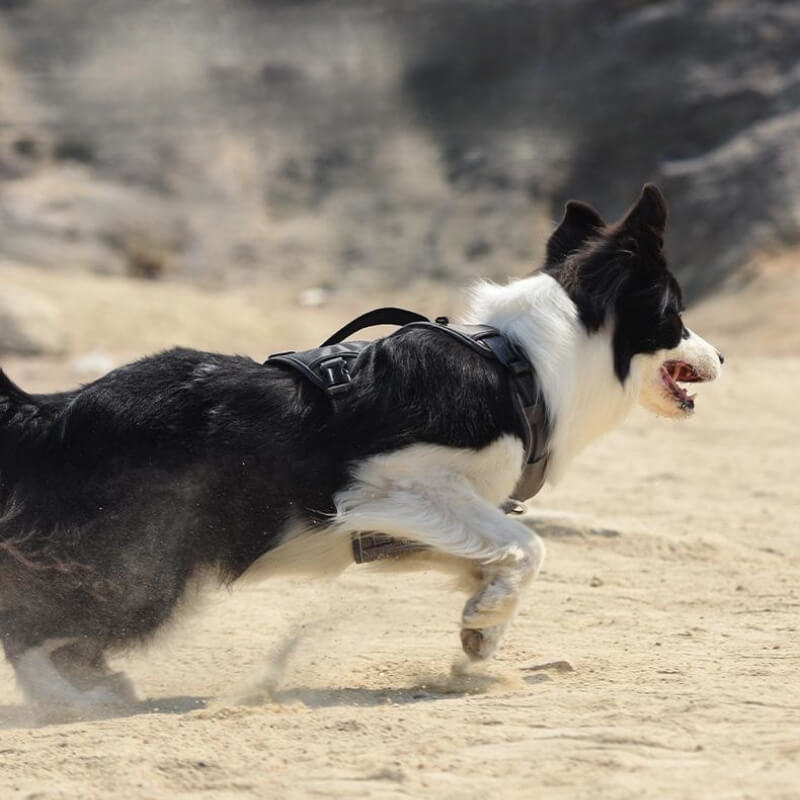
(331, 368)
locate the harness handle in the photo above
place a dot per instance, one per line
(378, 316)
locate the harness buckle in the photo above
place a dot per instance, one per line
(336, 377)
(335, 373)
(378, 546)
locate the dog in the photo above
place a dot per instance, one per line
(116, 495)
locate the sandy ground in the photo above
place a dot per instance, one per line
(673, 596)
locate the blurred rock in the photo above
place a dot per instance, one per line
(67, 217)
(30, 325)
(93, 364)
(233, 142)
(313, 297)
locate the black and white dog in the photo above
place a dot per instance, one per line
(114, 496)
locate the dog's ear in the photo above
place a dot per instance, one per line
(648, 213)
(579, 223)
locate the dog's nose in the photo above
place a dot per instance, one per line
(720, 357)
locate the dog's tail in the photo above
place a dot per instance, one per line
(11, 394)
(20, 412)
(21, 415)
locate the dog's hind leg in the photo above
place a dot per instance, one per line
(83, 663)
(68, 669)
(42, 683)
(444, 512)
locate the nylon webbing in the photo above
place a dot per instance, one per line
(378, 316)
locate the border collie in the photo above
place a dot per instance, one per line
(115, 495)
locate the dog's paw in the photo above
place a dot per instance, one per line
(494, 604)
(480, 644)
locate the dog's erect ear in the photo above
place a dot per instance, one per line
(648, 212)
(580, 222)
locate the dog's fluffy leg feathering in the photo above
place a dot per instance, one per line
(416, 494)
(42, 683)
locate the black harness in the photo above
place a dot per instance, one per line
(331, 367)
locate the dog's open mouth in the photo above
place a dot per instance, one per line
(676, 372)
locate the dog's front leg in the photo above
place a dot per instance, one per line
(446, 514)
(488, 611)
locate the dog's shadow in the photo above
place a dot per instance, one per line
(360, 697)
(37, 716)
(437, 688)
(450, 686)
(28, 716)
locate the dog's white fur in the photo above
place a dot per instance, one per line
(575, 370)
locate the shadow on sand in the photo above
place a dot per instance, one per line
(454, 685)
(438, 687)
(35, 716)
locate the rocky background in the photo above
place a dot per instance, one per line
(371, 144)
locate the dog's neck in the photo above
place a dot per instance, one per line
(575, 369)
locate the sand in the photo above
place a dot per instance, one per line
(656, 655)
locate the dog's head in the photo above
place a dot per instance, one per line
(619, 280)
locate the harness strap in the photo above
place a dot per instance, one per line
(328, 366)
(491, 344)
(378, 546)
(378, 316)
